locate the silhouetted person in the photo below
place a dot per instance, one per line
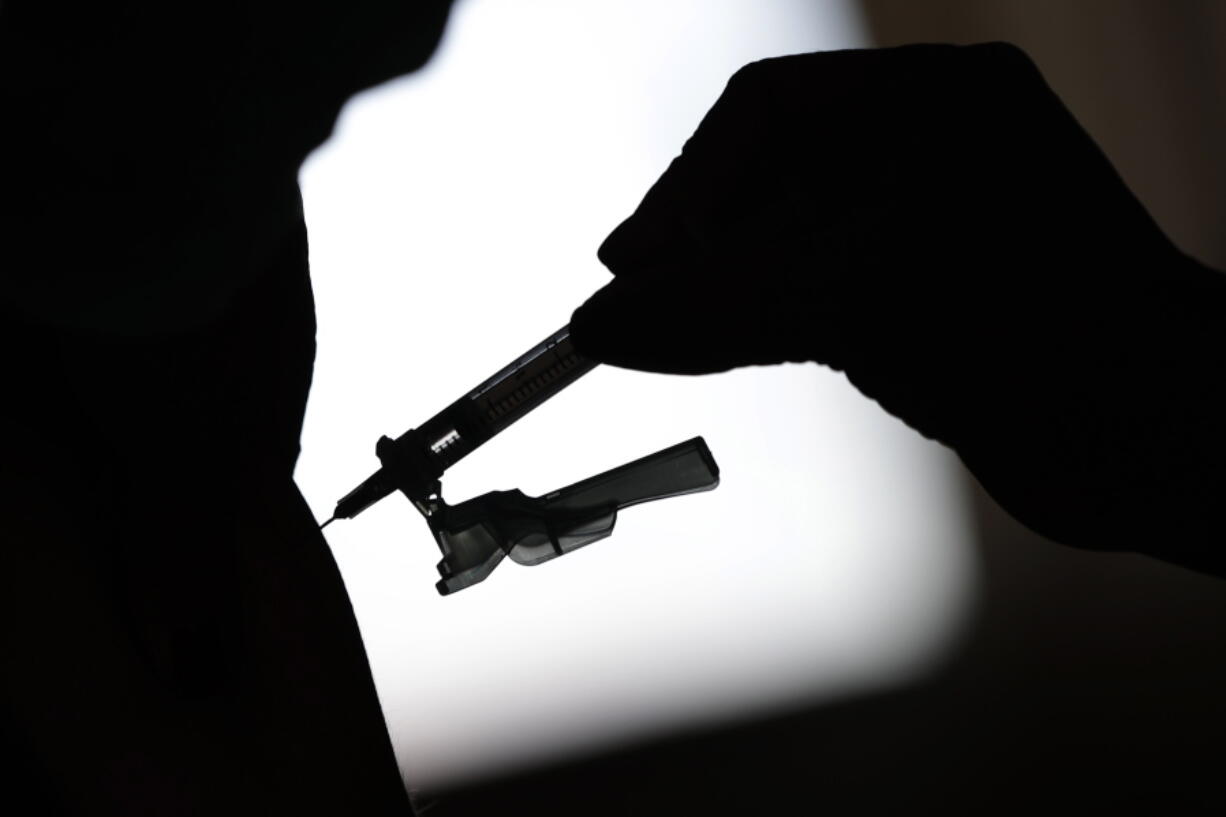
(176, 638)
(931, 221)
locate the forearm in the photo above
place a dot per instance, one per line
(1124, 447)
(1185, 391)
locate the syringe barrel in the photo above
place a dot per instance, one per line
(516, 389)
(415, 460)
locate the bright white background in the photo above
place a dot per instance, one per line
(454, 218)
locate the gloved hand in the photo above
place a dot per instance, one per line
(933, 222)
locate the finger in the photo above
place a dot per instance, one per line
(721, 174)
(657, 326)
(789, 138)
(654, 231)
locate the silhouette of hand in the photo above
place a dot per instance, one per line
(932, 221)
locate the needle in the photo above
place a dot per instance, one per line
(329, 522)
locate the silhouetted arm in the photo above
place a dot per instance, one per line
(173, 614)
(933, 222)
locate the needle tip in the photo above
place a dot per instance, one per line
(329, 522)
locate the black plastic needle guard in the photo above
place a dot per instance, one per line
(475, 535)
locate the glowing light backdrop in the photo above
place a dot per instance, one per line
(454, 218)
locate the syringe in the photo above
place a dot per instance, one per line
(414, 461)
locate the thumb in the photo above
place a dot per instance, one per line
(688, 322)
(647, 324)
